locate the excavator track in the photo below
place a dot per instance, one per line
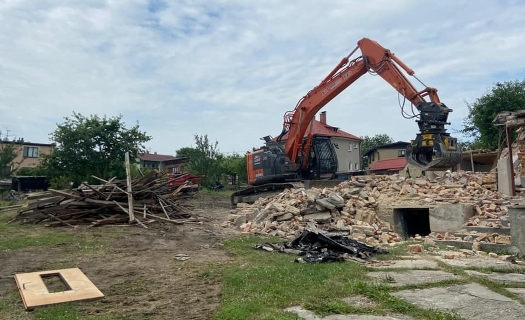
(252, 193)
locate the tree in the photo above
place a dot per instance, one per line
(92, 146)
(370, 143)
(191, 153)
(204, 160)
(7, 157)
(503, 96)
(235, 166)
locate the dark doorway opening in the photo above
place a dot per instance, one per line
(411, 221)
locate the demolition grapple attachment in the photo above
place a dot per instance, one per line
(433, 149)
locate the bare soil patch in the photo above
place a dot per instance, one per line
(137, 269)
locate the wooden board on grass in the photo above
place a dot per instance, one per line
(35, 293)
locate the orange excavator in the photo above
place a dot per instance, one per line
(307, 157)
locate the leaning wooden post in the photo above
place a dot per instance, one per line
(130, 192)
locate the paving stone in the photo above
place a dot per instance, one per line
(412, 277)
(501, 277)
(470, 301)
(409, 263)
(518, 291)
(360, 301)
(482, 262)
(309, 315)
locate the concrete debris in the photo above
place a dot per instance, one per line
(355, 207)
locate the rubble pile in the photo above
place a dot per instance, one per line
(354, 206)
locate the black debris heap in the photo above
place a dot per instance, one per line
(315, 247)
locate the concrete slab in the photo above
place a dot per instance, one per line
(309, 315)
(471, 301)
(449, 217)
(397, 279)
(500, 277)
(480, 263)
(360, 302)
(517, 221)
(518, 291)
(407, 263)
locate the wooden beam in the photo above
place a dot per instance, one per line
(130, 192)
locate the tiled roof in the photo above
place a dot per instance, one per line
(320, 129)
(395, 164)
(155, 157)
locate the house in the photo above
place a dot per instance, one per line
(27, 153)
(347, 146)
(162, 162)
(388, 158)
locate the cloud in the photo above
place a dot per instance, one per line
(231, 69)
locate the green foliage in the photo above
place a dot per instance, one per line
(235, 166)
(7, 156)
(92, 146)
(503, 96)
(204, 160)
(370, 143)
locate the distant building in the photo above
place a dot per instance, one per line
(347, 146)
(28, 153)
(388, 158)
(162, 162)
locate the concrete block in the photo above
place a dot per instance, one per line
(504, 177)
(449, 217)
(490, 230)
(517, 227)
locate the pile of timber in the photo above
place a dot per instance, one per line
(150, 198)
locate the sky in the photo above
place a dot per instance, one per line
(231, 69)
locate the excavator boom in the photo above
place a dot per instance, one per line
(432, 149)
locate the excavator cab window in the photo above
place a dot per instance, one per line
(322, 159)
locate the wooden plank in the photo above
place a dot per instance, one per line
(130, 191)
(65, 194)
(108, 182)
(34, 292)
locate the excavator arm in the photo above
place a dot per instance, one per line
(433, 148)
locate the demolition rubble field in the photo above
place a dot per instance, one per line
(361, 207)
(201, 259)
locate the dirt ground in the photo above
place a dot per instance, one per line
(136, 268)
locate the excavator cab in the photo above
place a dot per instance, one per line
(433, 149)
(322, 160)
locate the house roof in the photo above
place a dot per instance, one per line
(28, 144)
(155, 157)
(393, 145)
(320, 129)
(395, 164)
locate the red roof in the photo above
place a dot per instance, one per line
(320, 129)
(155, 157)
(395, 164)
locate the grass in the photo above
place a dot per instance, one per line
(15, 236)
(259, 285)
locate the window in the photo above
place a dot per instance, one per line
(356, 166)
(349, 147)
(30, 152)
(349, 165)
(401, 153)
(356, 146)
